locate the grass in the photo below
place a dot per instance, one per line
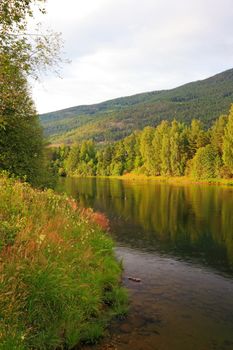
(175, 180)
(59, 280)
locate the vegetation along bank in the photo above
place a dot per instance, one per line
(172, 149)
(59, 276)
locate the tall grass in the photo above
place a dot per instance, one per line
(59, 279)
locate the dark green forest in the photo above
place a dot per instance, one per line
(170, 149)
(115, 119)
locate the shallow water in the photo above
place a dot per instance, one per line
(179, 241)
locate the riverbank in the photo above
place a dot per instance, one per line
(172, 180)
(175, 180)
(60, 281)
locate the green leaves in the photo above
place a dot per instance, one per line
(228, 142)
(22, 54)
(206, 163)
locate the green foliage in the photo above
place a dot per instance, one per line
(146, 149)
(217, 132)
(14, 12)
(115, 119)
(170, 149)
(104, 158)
(178, 148)
(228, 142)
(21, 141)
(81, 160)
(205, 164)
(73, 159)
(59, 276)
(197, 137)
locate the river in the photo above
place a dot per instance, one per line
(178, 240)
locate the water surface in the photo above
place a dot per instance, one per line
(179, 241)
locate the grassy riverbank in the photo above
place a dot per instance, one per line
(59, 282)
(173, 179)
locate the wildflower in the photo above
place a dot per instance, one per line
(41, 238)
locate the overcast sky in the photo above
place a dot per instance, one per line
(122, 47)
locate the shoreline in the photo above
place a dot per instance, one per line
(176, 180)
(62, 260)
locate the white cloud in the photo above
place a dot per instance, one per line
(121, 47)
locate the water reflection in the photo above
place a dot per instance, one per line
(174, 238)
(192, 221)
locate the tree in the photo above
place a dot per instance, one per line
(157, 146)
(30, 52)
(14, 12)
(130, 147)
(146, 149)
(117, 166)
(104, 159)
(73, 159)
(21, 139)
(206, 163)
(197, 137)
(178, 148)
(228, 142)
(217, 132)
(165, 152)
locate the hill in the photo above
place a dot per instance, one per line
(114, 119)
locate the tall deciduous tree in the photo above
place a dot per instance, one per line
(217, 132)
(206, 163)
(197, 137)
(21, 142)
(178, 148)
(228, 142)
(21, 54)
(73, 159)
(146, 149)
(157, 146)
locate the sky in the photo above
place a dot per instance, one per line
(122, 47)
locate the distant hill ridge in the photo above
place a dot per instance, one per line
(114, 119)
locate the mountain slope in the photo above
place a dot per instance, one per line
(114, 119)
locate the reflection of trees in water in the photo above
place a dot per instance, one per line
(191, 217)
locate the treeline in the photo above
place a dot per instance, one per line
(170, 149)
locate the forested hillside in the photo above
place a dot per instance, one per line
(112, 120)
(170, 149)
